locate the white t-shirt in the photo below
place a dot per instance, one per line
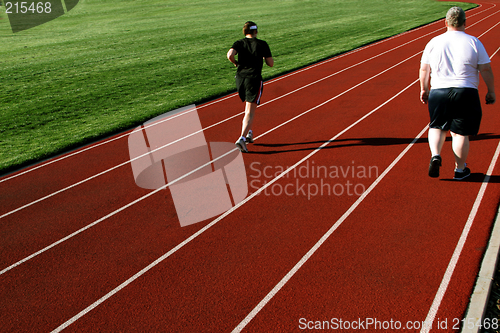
(454, 58)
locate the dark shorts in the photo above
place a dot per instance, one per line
(249, 89)
(455, 109)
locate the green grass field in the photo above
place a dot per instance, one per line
(108, 65)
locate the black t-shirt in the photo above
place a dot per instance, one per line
(250, 54)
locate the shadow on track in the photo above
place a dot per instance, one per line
(300, 146)
(477, 177)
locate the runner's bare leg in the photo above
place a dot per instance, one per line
(460, 145)
(248, 118)
(436, 139)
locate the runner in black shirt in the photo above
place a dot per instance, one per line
(251, 55)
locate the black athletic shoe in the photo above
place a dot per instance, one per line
(434, 166)
(462, 175)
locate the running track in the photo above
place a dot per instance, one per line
(83, 249)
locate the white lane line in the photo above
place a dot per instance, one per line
(208, 226)
(95, 145)
(323, 239)
(484, 33)
(234, 94)
(481, 20)
(5, 270)
(495, 53)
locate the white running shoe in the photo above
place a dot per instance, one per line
(241, 145)
(249, 137)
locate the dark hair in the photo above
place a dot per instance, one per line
(249, 28)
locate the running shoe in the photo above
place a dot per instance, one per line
(249, 137)
(241, 145)
(463, 174)
(434, 166)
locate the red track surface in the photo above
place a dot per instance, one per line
(384, 255)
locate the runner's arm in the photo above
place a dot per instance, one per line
(269, 61)
(487, 75)
(425, 79)
(230, 55)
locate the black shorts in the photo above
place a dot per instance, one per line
(249, 89)
(455, 109)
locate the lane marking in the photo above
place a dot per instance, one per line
(495, 53)
(79, 231)
(489, 30)
(208, 226)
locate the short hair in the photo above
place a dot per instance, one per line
(455, 17)
(248, 27)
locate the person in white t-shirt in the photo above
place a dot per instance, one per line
(449, 80)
